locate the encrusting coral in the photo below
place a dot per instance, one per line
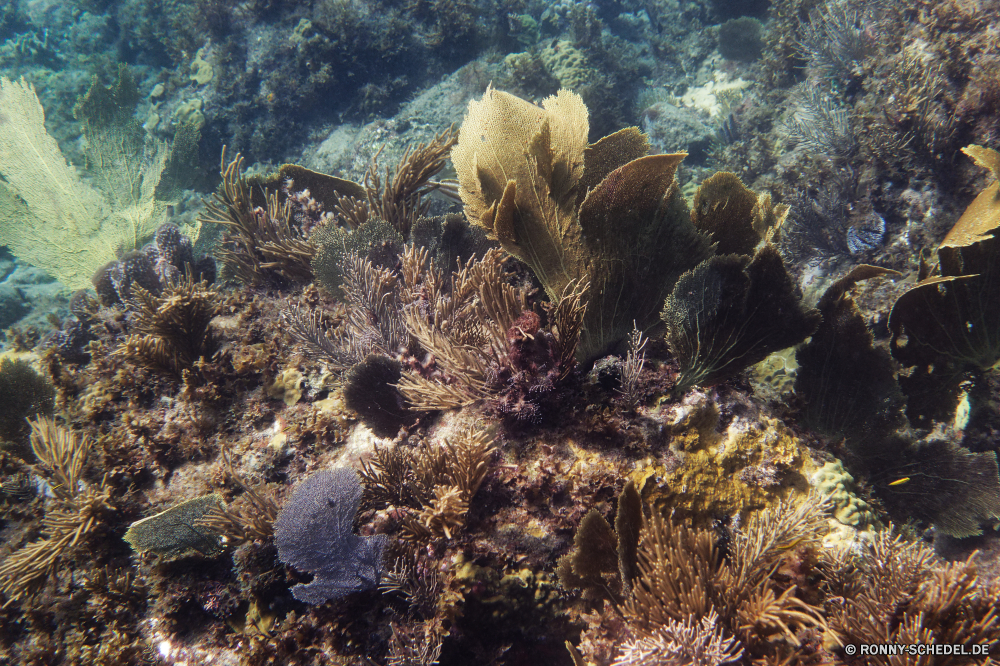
(834, 483)
(715, 470)
(176, 530)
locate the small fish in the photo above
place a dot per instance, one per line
(899, 482)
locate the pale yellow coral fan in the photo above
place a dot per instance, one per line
(45, 209)
(518, 168)
(49, 216)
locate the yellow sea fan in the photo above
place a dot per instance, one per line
(49, 216)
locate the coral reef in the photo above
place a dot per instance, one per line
(723, 469)
(654, 398)
(852, 515)
(608, 215)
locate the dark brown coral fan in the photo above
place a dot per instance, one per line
(947, 327)
(24, 394)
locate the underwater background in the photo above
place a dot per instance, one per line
(411, 332)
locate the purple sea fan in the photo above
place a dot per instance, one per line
(314, 534)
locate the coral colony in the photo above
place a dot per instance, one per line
(447, 361)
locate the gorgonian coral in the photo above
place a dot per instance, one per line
(605, 213)
(612, 216)
(947, 327)
(314, 533)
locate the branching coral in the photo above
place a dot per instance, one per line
(373, 295)
(821, 124)
(895, 591)
(263, 245)
(77, 510)
(484, 339)
(399, 201)
(247, 519)
(686, 577)
(838, 38)
(679, 643)
(435, 483)
(632, 367)
(171, 332)
(373, 306)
